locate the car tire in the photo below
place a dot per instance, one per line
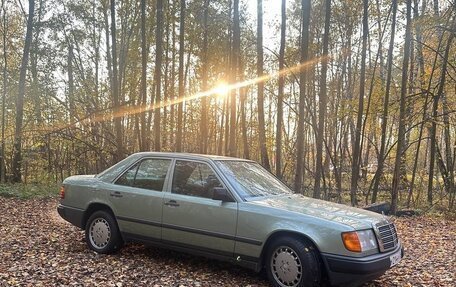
(293, 262)
(102, 234)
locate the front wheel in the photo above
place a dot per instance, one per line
(293, 262)
(102, 234)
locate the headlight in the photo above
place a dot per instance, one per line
(359, 241)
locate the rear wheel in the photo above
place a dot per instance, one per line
(101, 232)
(293, 262)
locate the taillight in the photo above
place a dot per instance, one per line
(62, 192)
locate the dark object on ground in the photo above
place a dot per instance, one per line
(379, 207)
(408, 212)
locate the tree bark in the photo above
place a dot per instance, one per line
(322, 104)
(158, 64)
(144, 143)
(172, 114)
(279, 133)
(108, 46)
(71, 83)
(234, 76)
(115, 86)
(381, 155)
(260, 87)
(204, 100)
(420, 58)
(304, 55)
(17, 147)
(245, 141)
(181, 77)
(357, 144)
(4, 90)
(402, 111)
(446, 171)
(35, 86)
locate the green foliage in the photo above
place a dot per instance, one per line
(28, 191)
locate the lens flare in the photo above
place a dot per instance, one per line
(220, 90)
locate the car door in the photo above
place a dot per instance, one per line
(137, 198)
(191, 218)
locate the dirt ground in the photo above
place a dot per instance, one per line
(38, 248)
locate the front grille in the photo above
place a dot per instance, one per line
(387, 236)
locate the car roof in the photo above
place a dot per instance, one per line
(112, 172)
(188, 155)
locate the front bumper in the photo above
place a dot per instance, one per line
(352, 271)
(73, 215)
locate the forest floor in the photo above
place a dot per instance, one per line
(38, 248)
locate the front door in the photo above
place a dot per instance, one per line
(191, 218)
(137, 198)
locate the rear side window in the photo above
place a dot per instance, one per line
(194, 178)
(148, 174)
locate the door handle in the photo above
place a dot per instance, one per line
(172, 203)
(116, 194)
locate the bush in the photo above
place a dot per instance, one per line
(28, 191)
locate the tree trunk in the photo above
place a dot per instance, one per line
(144, 140)
(234, 76)
(115, 87)
(359, 121)
(158, 64)
(260, 86)
(446, 169)
(4, 90)
(283, 29)
(304, 54)
(71, 83)
(181, 77)
(322, 104)
(17, 148)
(204, 100)
(381, 155)
(35, 85)
(402, 111)
(173, 77)
(245, 141)
(108, 47)
(420, 58)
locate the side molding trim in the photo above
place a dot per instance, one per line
(193, 230)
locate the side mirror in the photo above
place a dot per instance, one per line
(222, 194)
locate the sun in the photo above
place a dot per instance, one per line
(221, 89)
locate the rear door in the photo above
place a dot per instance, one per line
(137, 198)
(191, 218)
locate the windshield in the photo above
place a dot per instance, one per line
(251, 179)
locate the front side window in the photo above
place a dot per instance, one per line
(148, 174)
(251, 179)
(128, 178)
(195, 179)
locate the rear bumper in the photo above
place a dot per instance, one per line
(73, 215)
(351, 271)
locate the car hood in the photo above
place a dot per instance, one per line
(343, 214)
